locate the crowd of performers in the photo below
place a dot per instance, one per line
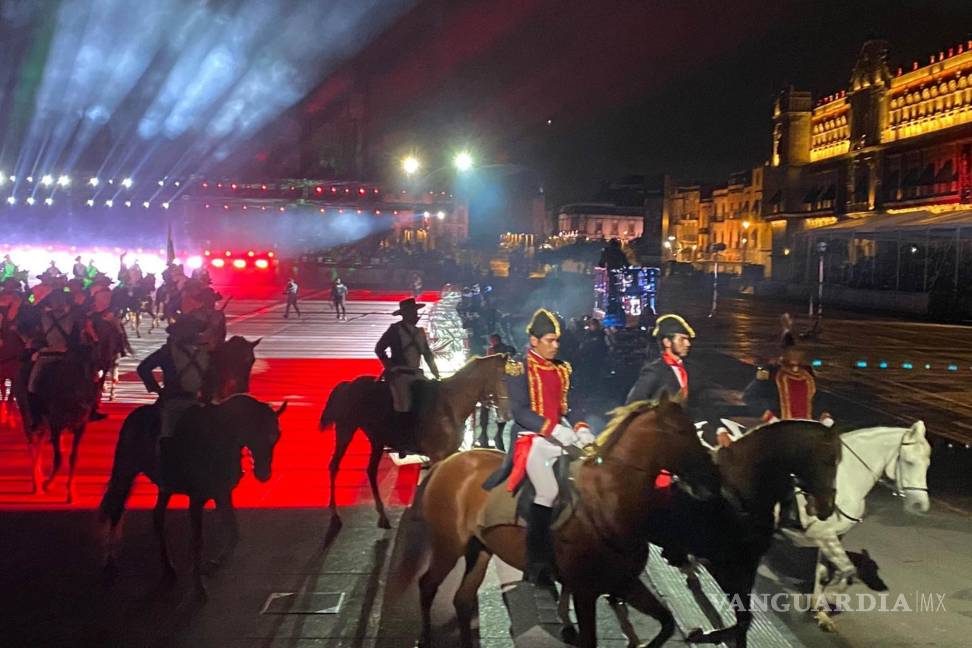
(87, 312)
(544, 425)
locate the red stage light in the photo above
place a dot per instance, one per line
(361, 191)
(233, 186)
(219, 185)
(319, 189)
(218, 263)
(205, 185)
(239, 264)
(333, 189)
(206, 252)
(263, 187)
(250, 253)
(262, 264)
(228, 253)
(376, 189)
(270, 254)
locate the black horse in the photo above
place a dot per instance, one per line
(201, 460)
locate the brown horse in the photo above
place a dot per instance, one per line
(435, 430)
(601, 549)
(734, 531)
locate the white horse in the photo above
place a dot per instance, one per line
(902, 455)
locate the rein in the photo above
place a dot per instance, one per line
(898, 489)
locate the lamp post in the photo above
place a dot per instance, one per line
(715, 249)
(821, 251)
(745, 240)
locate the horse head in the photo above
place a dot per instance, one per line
(909, 468)
(815, 466)
(261, 432)
(660, 436)
(495, 391)
(233, 361)
(680, 453)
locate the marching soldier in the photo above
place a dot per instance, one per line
(401, 350)
(537, 390)
(668, 372)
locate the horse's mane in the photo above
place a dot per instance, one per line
(621, 419)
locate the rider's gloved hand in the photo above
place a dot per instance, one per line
(584, 436)
(564, 434)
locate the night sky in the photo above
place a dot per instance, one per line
(680, 87)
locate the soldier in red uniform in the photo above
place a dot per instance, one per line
(785, 391)
(538, 400)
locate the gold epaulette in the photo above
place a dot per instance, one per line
(762, 374)
(566, 365)
(514, 368)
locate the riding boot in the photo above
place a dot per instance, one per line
(540, 568)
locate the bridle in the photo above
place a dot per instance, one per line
(898, 489)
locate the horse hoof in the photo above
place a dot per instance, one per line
(383, 523)
(46, 486)
(695, 636)
(568, 634)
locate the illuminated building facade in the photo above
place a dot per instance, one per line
(843, 171)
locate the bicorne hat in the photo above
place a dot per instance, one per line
(670, 324)
(543, 323)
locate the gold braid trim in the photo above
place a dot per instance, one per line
(781, 383)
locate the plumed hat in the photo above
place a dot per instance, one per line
(543, 323)
(670, 324)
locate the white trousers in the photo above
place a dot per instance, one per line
(539, 468)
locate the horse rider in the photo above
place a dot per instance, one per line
(8, 268)
(78, 271)
(666, 373)
(786, 390)
(537, 391)
(111, 337)
(401, 349)
(51, 273)
(61, 327)
(199, 302)
(184, 362)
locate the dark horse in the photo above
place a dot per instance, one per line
(435, 431)
(733, 532)
(204, 455)
(132, 303)
(601, 549)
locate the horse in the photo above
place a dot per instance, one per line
(601, 549)
(204, 456)
(12, 349)
(435, 431)
(734, 531)
(902, 455)
(137, 452)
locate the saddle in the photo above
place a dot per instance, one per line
(504, 508)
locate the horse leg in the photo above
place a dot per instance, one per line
(568, 633)
(440, 566)
(138, 324)
(645, 602)
(224, 506)
(158, 522)
(373, 461)
(56, 465)
(195, 517)
(35, 443)
(624, 621)
(343, 436)
(78, 432)
(113, 380)
(585, 608)
(477, 560)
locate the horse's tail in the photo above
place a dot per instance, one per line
(336, 406)
(127, 464)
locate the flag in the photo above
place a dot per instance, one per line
(169, 248)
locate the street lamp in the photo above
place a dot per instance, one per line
(745, 240)
(411, 165)
(463, 161)
(715, 249)
(821, 251)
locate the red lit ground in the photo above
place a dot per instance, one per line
(299, 361)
